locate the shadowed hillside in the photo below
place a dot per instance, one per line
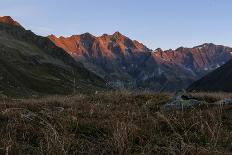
(30, 64)
(218, 80)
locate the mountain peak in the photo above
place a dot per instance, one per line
(117, 34)
(158, 50)
(87, 35)
(9, 21)
(179, 49)
(52, 36)
(205, 45)
(209, 44)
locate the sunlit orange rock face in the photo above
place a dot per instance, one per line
(8, 20)
(125, 62)
(105, 46)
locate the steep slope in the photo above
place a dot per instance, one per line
(216, 81)
(31, 64)
(125, 63)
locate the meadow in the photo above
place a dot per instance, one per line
(114, 123)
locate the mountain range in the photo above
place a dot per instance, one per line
(126, 63)
(32, 64)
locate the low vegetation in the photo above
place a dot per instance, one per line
(113, 123)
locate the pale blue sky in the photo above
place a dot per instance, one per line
(156, 23)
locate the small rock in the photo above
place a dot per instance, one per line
(223, 102)
(183, 100)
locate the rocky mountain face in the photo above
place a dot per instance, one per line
(216, 81)
(30, 64)
(125, 63)
(200, 60)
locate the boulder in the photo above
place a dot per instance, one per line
(182, 100)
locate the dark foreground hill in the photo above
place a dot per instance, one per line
(30, 64)
(113, 123)
(218, 80)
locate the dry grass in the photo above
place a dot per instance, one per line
(112, 123)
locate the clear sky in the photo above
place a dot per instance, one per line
(156, 23)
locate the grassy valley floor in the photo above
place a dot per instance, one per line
(114, 123)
